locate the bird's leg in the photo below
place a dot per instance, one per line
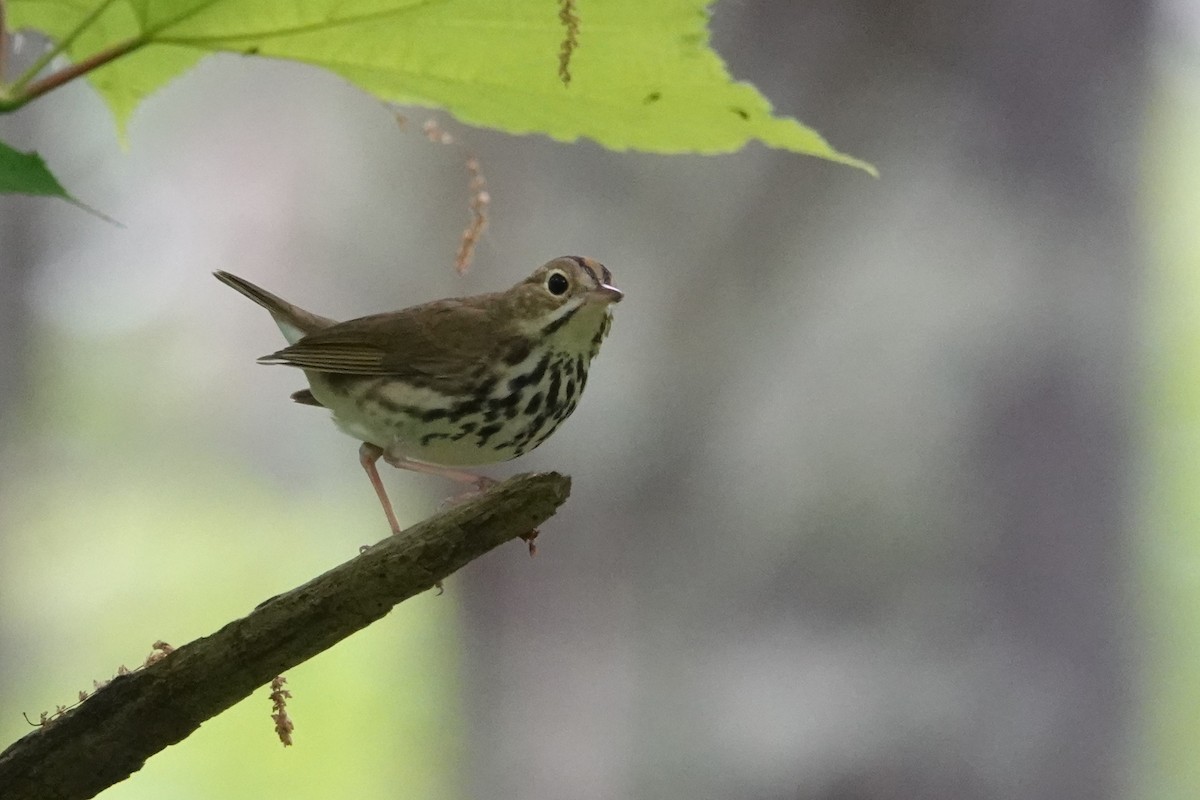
(368, 454)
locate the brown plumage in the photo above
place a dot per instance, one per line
(461, 381)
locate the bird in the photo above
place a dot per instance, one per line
(452, 383)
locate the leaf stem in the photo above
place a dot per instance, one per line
(17, 90)
(68, 74)
(29, 87)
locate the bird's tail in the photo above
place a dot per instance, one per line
(293, 321)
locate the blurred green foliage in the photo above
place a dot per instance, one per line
(1169, 586)
(122, 539)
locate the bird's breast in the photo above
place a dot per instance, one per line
(503, 412)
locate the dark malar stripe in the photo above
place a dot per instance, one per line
(558, 323)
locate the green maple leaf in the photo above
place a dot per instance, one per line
(642, 73)
(26, 173)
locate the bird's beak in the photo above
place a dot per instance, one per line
(605, 293)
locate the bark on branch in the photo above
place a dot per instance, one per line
(110, 735)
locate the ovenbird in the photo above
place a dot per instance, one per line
(464, 381)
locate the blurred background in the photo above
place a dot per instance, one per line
(882, 489)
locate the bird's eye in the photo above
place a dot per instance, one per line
(557, 283)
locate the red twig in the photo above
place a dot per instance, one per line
(279, 698)
(480, 198)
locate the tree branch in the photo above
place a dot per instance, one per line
(111, 734)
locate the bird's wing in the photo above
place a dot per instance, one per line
(437, 340)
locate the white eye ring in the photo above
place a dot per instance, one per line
(557, 283)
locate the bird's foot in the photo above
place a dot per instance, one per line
(477, 485)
